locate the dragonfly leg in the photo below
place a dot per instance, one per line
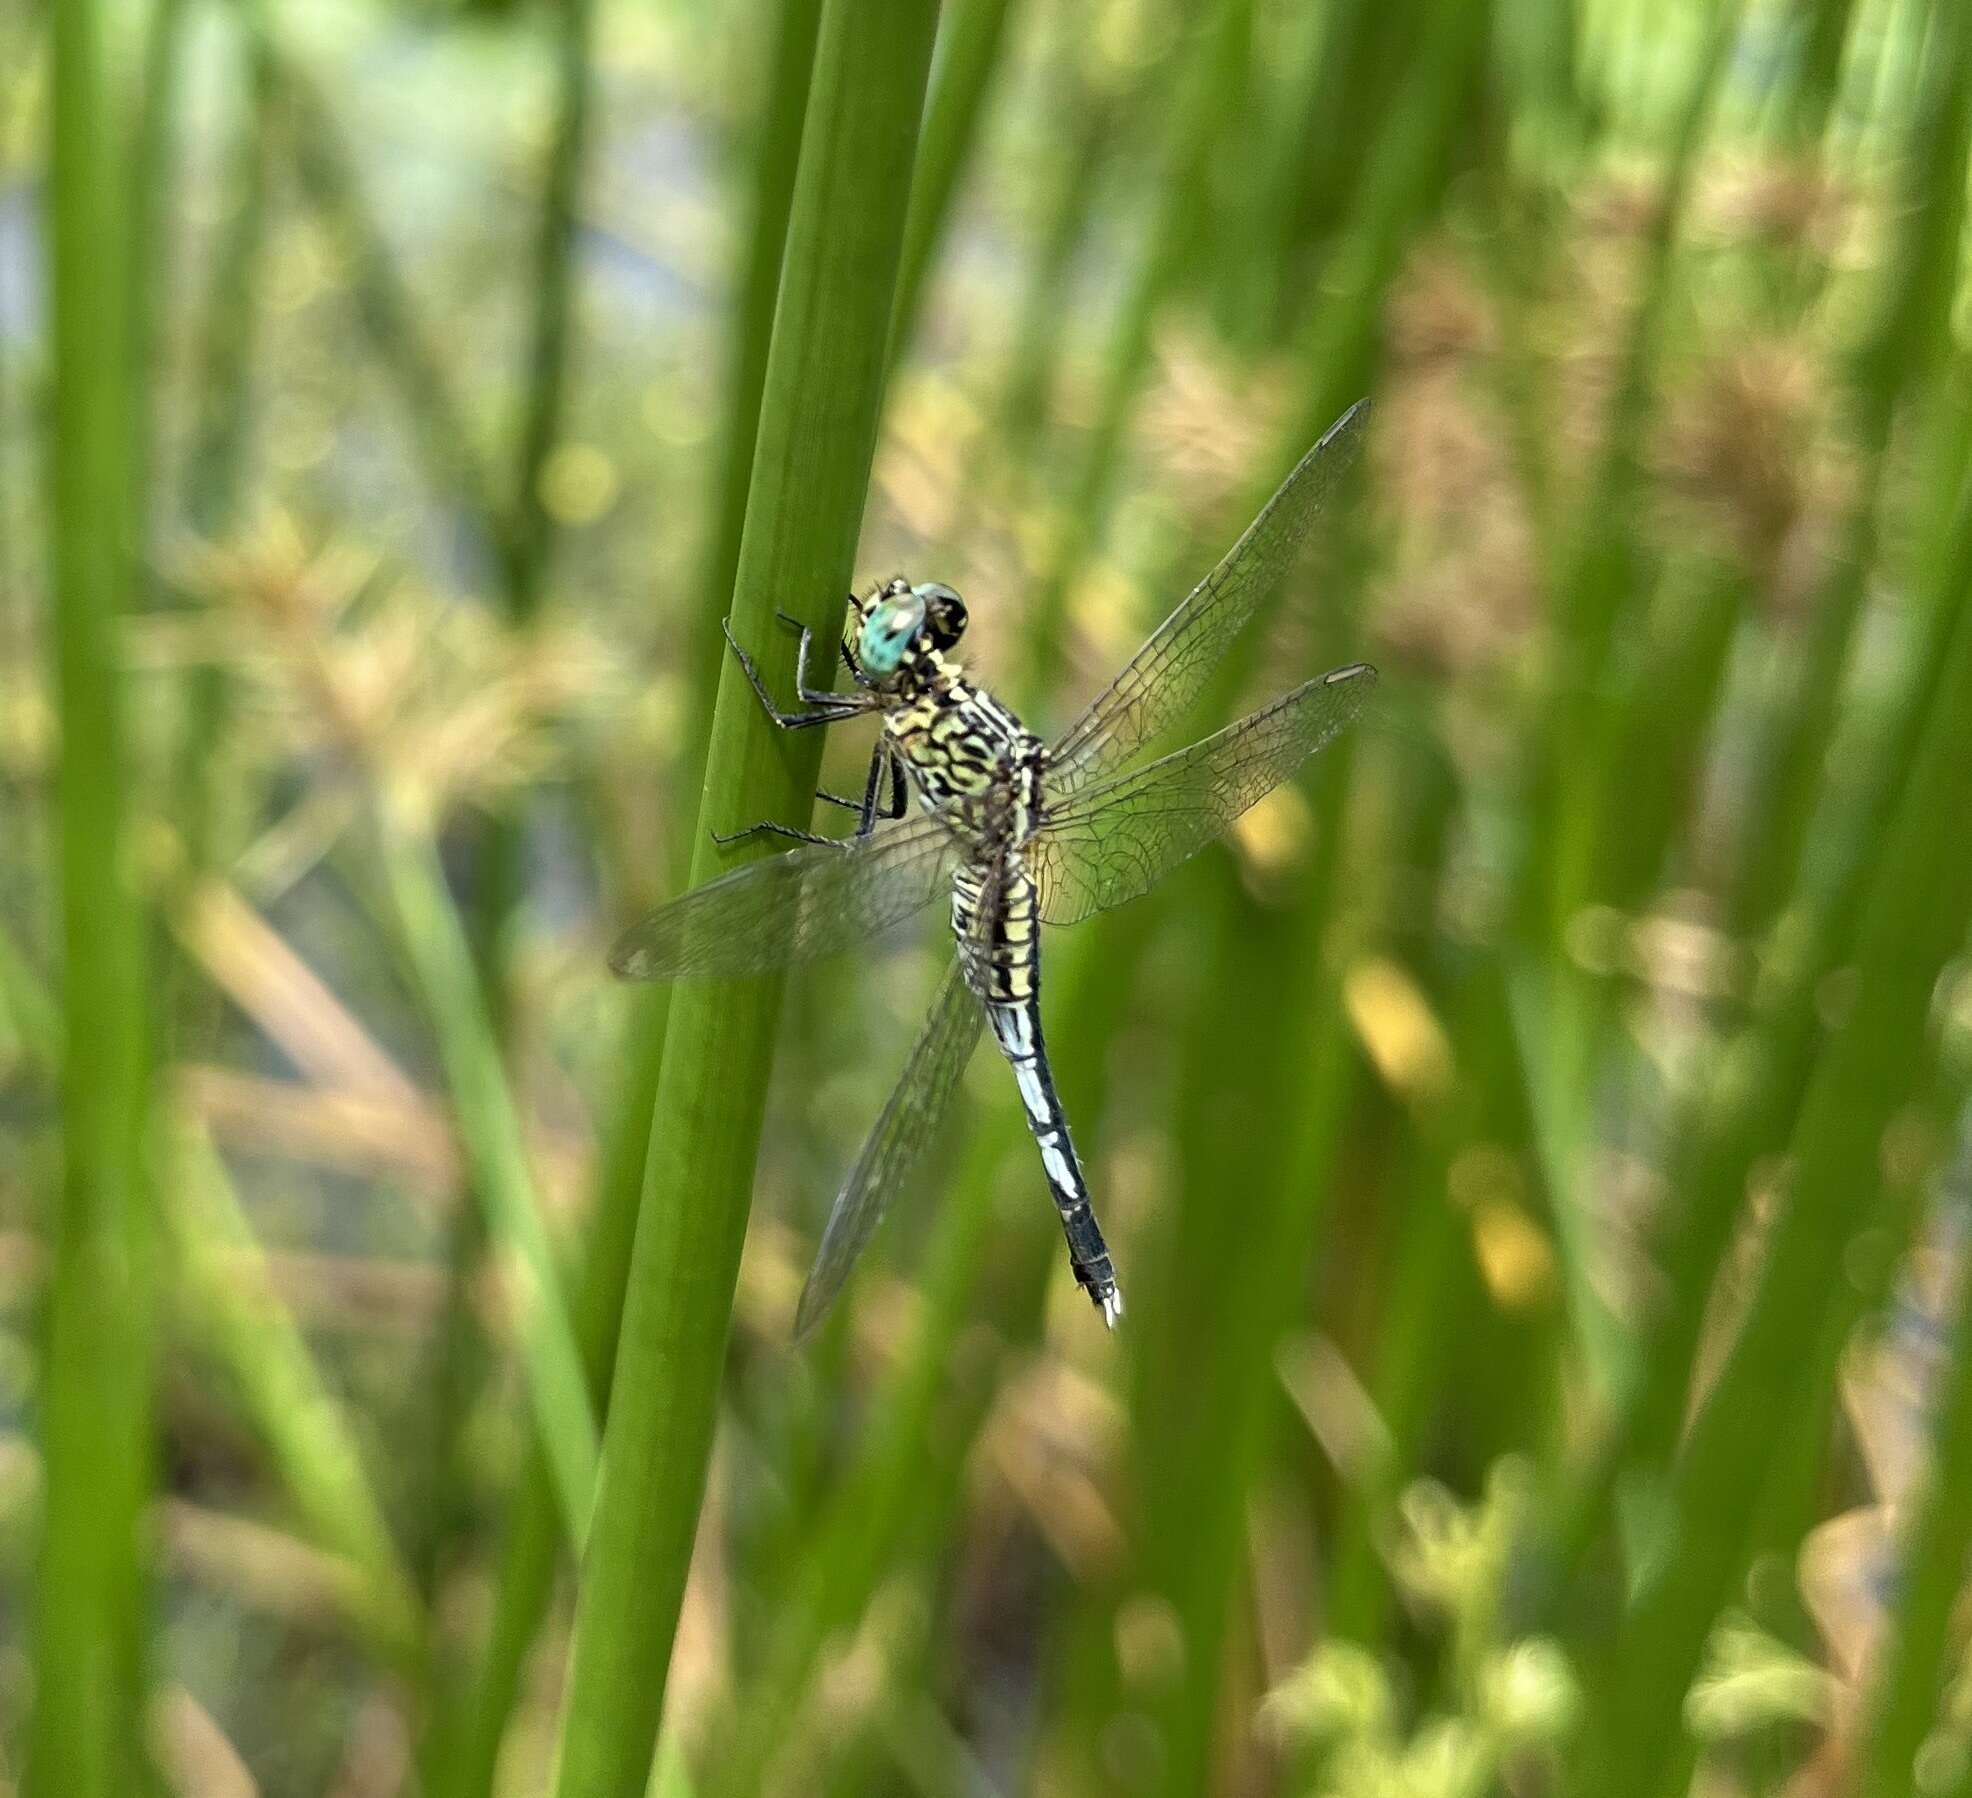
(829, 708)
(767, 828)
(873, 805)
(820, 696)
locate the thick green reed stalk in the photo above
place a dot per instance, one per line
(86, 1737)
(462, 1753)
(817, 435)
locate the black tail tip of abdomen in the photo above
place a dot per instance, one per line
(1104, 1294)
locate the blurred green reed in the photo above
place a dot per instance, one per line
(1557, 1084)
(90, 1640)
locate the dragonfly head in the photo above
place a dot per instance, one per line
(897, 615)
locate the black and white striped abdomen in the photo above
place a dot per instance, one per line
(1002, 960)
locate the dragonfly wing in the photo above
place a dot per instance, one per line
(1166, 676)
(791, 908)
(910, 1120)
(1110, 843)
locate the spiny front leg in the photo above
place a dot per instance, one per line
(768, 828)
(828, 708)
(819, 695)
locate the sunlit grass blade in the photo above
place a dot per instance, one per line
(85, 1738)
(820, 404)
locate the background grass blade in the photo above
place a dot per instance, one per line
(1919, 909)
(86, 1736)
(969, 57)
(1931, 1575)
(435, 943)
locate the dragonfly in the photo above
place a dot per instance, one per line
(1014, 831)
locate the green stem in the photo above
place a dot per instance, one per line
(1211, 81)
(462, 1755)
(1907, 334)
(1932, 1574)
(86, 1735)
(968, 60)
(229, 1305)
(818, 419)
(435, 941)
(1916, 918)
(777, 149)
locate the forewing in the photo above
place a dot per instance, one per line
(913, 1116)
(810, 902)
(1166, 676)
(1112, 842)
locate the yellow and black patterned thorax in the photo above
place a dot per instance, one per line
(969, 759)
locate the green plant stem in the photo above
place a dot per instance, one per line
(434, 940)
(530, 530)
(553, 287)
(968, 62)
(153, 164)
(1210, 83)
(500, 847)
(1202, 1436)
(462, 1755)
(384, 303)
(776, 151)
(1906, 1703)
(227, 1302)
(818, 419)
(85, 1738)
(1905, 338)
(1919, 904)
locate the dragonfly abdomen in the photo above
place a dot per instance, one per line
(1005, 970)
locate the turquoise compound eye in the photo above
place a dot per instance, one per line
(887, 633)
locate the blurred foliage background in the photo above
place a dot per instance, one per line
(1535, 1145)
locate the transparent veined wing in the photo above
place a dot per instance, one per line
(913, 1116)
(1165, 678)
(812, 901)
(1111, 842)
